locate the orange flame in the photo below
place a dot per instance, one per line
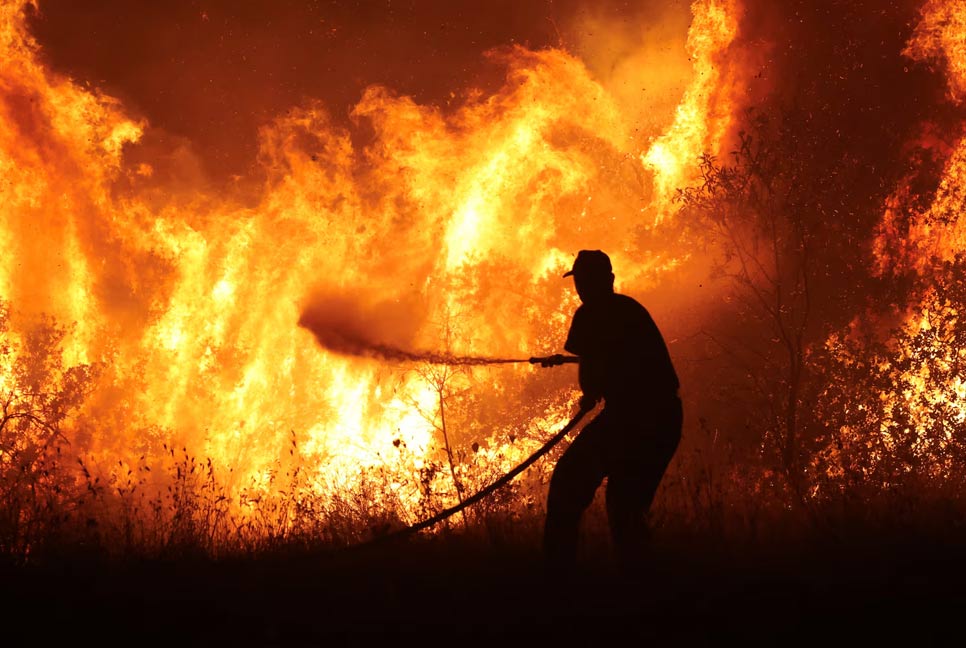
(449, 232)
(939, 37)
(935, 236)
(704, 115)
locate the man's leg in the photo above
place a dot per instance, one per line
(575, 479)
(635, 471)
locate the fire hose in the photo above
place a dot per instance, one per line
(549, 361)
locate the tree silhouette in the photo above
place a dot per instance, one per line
(37, 395)
(752, 213)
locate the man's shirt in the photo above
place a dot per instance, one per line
(619, 336)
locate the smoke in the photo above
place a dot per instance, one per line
(817, 87)
(638, 54)
(342, 325)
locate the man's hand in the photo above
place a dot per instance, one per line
(555, 360)
(588, 402)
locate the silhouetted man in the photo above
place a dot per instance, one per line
(624, 361)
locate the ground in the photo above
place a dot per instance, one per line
(452, 592)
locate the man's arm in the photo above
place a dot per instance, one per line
(590, 375)
(590, 372)
(554, 360)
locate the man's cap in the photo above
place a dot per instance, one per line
(591, 262)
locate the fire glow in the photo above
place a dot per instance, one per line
(178, 309)
(187, 311)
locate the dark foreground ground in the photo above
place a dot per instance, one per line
(908, 590)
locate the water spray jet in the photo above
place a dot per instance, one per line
(343, 334)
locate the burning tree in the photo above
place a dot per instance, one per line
(759, 217)
(895, 399)
(38, 394)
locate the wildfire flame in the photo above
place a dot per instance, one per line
(923, 406)
(449, 231)
(704, 115)
(331, 320)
